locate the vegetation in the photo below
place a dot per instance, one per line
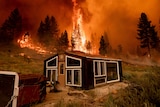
(48, 32)
(147, 34)
(88, 46)
(63, 41)
(26, 61)
(103, 47)
(143, 89)
(11, 29)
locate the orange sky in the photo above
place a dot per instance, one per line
(118, 18)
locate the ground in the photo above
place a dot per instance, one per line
(87, 97)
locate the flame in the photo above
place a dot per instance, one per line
(26, 42)
(78, 33)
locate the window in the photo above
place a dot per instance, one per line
(99, 68)
(73, 77)
(69, 76)
(96, 68)
(73, 62)
(51, 75)
(77, 77)
(102, 68)
(52, 63)
(105, 71)
(112, 71)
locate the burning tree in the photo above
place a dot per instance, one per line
(147, 34)
(78, 36)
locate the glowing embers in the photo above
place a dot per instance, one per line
(26, 42)
(78, 34)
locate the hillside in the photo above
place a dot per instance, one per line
(140, 86)
(21, 60)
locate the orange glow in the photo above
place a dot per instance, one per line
(78, 33)
(26, 42)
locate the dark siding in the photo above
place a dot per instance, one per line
(120, 69)
(87, 74)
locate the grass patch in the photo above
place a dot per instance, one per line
(143, 89)
(62, 103)
(19, 60)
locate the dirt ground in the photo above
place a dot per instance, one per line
(88, 97)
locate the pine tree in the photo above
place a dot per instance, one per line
(103, 46)
(108, 46)
(147, 34)
(63, 40)
(48, 32)
(88, 46)
(12, 27)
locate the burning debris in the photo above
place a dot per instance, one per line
(26, 42)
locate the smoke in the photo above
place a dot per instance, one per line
(118, 18)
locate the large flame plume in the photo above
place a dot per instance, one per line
(78, 33)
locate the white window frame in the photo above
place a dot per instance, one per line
(117, 71)
(99, 68)
(72, 77)
(75, 59)
(51, 60)
(16, 88)
(56, 76)
(99, 76)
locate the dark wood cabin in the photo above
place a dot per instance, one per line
(82, 70)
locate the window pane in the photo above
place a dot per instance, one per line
(69, 77)
(77, 77)
(112, 71)
(6, 89)
(49, 75)
(102, 68)
(52, 62)
(96, 68)
(72, 62)
(100, 80)
(53, 75)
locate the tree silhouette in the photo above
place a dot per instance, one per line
(48, 32)
(108, 46)
(103, 46)
(11, 29)
(147, 34)
(63, 40)
(88, 46)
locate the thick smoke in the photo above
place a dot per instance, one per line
(118, 18)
